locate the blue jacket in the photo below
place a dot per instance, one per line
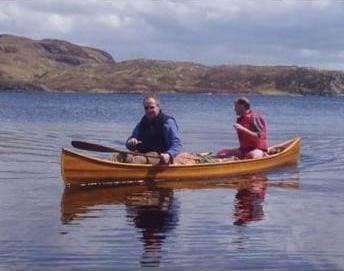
(159, 135)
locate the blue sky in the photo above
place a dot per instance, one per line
(212, 32)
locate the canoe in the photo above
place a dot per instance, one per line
(78, 168)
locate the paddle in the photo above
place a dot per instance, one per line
(100, 148)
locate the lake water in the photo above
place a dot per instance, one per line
(287, 219)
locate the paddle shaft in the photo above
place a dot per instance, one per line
(100, 148)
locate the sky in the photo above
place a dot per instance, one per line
(306, 33)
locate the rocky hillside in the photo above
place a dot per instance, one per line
(57, 65)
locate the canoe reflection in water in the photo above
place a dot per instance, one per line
(153, 209)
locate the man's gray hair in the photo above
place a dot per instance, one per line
(153, 97)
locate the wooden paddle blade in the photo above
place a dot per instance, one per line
(91, 146)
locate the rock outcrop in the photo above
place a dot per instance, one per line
(55, 65)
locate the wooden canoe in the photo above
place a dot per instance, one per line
(77, 168)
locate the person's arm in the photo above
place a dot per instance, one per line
(171, 134)
(134, 139)
(257, 129)
(243, 129)
(259, 126)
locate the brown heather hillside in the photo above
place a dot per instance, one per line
(57, 65)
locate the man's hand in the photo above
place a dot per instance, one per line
(239, 127)
(133, 142)
(165, 158)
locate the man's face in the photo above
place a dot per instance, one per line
(239, 109)
(152, 109)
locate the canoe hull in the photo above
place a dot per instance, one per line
(79, 169)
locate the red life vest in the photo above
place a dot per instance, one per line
(256, 123)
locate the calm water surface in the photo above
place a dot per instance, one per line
(286, 219)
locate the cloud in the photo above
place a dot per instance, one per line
(60, 23)
(210, 31)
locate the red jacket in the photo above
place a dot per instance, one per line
(256, 123)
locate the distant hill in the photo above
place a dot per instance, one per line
(56, 65)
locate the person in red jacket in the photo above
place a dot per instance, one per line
(251, 128)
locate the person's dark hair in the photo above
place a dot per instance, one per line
(243, 101)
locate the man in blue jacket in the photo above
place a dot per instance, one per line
(156, 132)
